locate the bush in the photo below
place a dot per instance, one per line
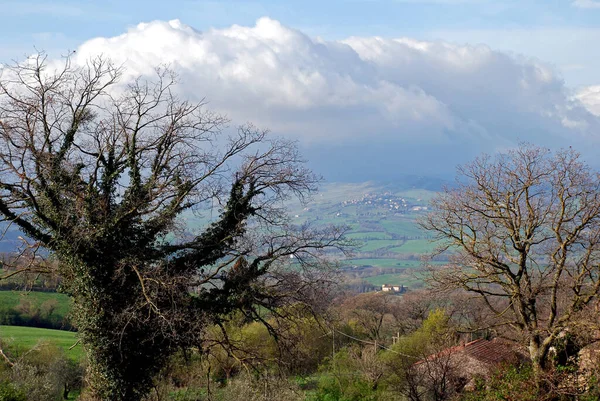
(41, 374)
(8, 392)
(506, 384)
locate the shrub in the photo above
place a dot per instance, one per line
(8, 392)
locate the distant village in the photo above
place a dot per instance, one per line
(388, 201)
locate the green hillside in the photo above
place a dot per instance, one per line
(24, 338)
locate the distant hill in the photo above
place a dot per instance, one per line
(381, 216)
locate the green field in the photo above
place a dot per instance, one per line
(28, 337)
(369, 235)
(418, 246)
(383, 262)
(11, 299)
(403, 227)
(407, 280)
(373, 245)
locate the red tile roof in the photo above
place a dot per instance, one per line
(486, 351)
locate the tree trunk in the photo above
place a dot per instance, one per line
(538, 353)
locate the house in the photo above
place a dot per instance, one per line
(458, 367)
(393, 288)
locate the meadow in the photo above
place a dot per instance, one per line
(21, 339)
(12, 299)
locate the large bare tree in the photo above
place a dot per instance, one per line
(523, 228)
(99, 174)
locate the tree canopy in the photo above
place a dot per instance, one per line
(100, 173)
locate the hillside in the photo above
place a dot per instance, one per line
(382, 219)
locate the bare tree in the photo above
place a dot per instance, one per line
(101, 174)
(523, 229)
(372, 315)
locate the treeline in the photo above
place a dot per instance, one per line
(32, 314)
(41, 277)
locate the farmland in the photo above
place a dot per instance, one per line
(35, 309)
(382, 222)
(25, 338)
(60, 303)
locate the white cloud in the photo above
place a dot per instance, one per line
(567, 46)
(414, 103)
(590, 98)
(586, 3)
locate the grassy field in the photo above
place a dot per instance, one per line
(369, 235)
(403, 227)
(418, 246)
(383, 262)
(407, 280)
(10, 299)
(373, 245)
(28, 337)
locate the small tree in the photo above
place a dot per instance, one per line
(523, 229)
(372, 315)
(100, 175)
(417, 364)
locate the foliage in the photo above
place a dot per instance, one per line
(352, 375)
(42, 373)
(510, 383)
(417, 366)
(9, 392)
(263, 388)
(373, 315)
(299, 344)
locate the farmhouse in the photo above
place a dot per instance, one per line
(462, 364)
(393, 288)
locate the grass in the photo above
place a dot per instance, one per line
(379, 262)
(419, 246)
(369, 235)
(402, 227)
(378, 244)
(386, 262)
(28, 337)
(407, 280)
(11, 299)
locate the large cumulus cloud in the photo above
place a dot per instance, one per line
(363, 107)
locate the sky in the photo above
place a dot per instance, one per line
(369, 88)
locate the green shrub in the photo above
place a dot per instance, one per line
(510, 383)
(8, 392)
